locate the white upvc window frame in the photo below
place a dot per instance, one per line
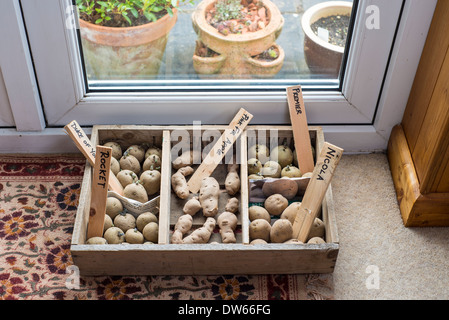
(371, 106)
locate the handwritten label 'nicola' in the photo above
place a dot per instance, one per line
(330, 155)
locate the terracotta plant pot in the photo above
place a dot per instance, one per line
(126, 53)
(322, 57)
(237, 51)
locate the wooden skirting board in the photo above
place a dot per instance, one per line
(417, 209)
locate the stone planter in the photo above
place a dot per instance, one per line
(126, 53)
(322, 57)
(236, 52)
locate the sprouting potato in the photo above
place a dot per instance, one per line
(291, 172)
(260, 152)
(114, 235)
(254, 166)
(153, 162)
(125, 221)
(137, 151)
(116, 149)
(129, 162)
(127, 177)
(153, 150)
(283, 155)
(151, 181)
(113, 207)
(136, 191)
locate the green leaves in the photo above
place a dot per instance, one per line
(105, 10)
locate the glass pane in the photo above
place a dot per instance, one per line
(213, 43)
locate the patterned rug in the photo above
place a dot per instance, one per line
(38, 202)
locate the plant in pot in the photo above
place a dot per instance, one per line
(236, 38)
(325, 27)
(125, 38)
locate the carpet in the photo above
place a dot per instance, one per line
(38, 201)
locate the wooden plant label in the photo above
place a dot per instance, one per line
(219, 150)
(298, 118)
(100, 181)
(316, 190)
(83, 143)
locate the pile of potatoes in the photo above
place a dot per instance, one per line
(280, 162)
(262, 230)
(122, 227)
(206, 201)
(138, 168)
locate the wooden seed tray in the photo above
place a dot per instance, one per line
(165, 258)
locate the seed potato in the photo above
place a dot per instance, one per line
(107, 222)
(291, 172)
(285, 187)
(153, 150)
(281, 231)
(137, 151)
(134, 236)
(153, 162)
(291, 212)
(271, 169)
(257, 212)
(114, 235)
(316, 240)
(282, 155)
(254, 166)
(258, 241)
(116, 149)
(144, 219)
(260, 229)
(151, 181)
(136, 191)
(127, 177)
(260, 152)
(96, 240)
(129, 162)
(125, 222)
(318, 229)
(115, 166)
(151, 232)
(113, 207)
(276, 204)
(255, 177)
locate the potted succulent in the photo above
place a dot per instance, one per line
(325, 27)
(125, 38)
(236, 38)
